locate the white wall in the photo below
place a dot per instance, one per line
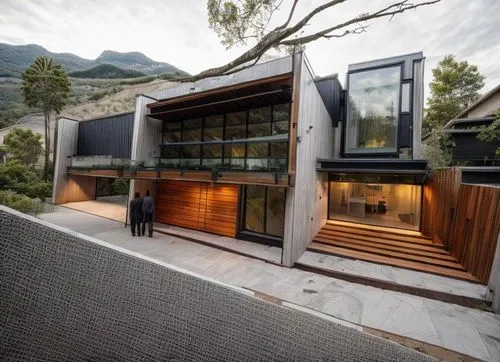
(307, 202)
(145, 140)
(487, 107)
(67, 138)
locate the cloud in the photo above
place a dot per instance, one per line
(177, 32)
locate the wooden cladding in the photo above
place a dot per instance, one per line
(439, 204)
(77, 188)
(474, 237)
(465, 218)
(198, 205)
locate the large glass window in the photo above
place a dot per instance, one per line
(393, 205)
(184, 142)
(373, 109)
(265, 210)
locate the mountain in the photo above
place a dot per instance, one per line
(106, 71)
(14, 59)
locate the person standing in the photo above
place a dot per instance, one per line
(136, 214)
(148, 207)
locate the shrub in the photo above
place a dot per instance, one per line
(120, 186)
(19, 202)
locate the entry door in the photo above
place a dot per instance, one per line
(198, 205)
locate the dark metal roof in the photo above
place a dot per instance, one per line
(481, 175)
(463, 123)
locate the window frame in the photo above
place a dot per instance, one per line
(371, 152)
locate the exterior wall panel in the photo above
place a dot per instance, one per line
(418, 107)
(67, 135)
(106, 136)
(485, 108)
(306, 204)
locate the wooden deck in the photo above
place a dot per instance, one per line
(389, 246)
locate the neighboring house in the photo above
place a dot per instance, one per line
(267, 154)
(484, 106)
(468, 150)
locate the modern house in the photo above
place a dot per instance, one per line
(267, 154)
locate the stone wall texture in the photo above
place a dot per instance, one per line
(65, 296)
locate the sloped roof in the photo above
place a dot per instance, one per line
(479, 101)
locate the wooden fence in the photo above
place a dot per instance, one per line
(465, 218)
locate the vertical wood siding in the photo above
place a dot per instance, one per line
(440, 203)
(77, 188)
(465, 218)
(198, 205)
(474, 236)
(106, 136)
(306, 204)
(67, 135)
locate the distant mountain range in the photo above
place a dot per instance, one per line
(14, 59)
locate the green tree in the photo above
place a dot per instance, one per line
(23, 145)
(254, 22)
(18, 177)
(437, 149)
(491, 132)
(45, 86)
(455, 86)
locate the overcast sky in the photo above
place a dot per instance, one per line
(176, 31)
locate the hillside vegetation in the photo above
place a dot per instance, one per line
(106, 71)
(104, 82)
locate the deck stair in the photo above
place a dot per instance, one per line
(389, 246)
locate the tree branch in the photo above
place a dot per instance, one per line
(292, 10)
(399, 7)
(278, 36)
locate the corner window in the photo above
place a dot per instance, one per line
(372, 110)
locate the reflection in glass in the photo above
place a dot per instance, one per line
(373, 108)
(394, 205)
(213, 128)
(257, 164)
(275, 211)
(281, 118)
(257, 150)
(255, 201)
(192, 130)
(405, 97)
(236, 127)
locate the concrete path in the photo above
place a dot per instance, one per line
(465, 330)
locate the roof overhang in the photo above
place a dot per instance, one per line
(257, 93)
(412, 171)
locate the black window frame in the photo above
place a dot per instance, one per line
(246, 141)
(372, 152)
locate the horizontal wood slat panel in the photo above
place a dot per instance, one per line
(197, 205)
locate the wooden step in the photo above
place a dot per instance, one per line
(382, 241)
(380, 234)
(383, 229)
(393, 261)
(395, 254)
(335, 240)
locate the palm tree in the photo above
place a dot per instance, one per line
(46, 87)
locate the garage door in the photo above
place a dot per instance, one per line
(198, 205)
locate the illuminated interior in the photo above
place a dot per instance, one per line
(393, 205)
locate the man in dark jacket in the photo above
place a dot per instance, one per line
(148, 206)
(135, 212)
